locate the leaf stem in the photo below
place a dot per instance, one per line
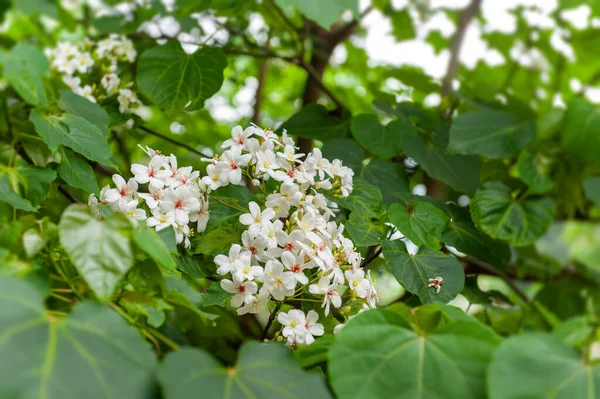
(173, 141)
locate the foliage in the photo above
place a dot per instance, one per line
(355, 239)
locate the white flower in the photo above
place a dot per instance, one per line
(357, 282)
(227, 263)
(312, 327)
(110, 82)
(212, 178)
(85, 91)
(182, 202)
(201, 216)
(266, 162)
(289, 154)
(154, 197)
(296, 265)
(83, 62)
(124, 190)
(149, 174)
(245, 271)
(289, 241)
(331, 296)
(132, 211)
(160, 219)
(243, 291)
(255, 244)
(294, 323)
(229, 168)
(74, 82)
(278, 283)
(254, 305)
(127, 99)
(238, 137)
(255, 218)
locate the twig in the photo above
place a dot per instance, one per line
(317, 79)
(465, 19)
(367, 262)
(489, 268)
(122, 147)
(270, 321)
(173, 141)
(68, 195)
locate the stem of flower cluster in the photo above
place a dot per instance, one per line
(271, 319)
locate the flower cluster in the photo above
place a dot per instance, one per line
(176, 196)
(291, 249)
(91, 69)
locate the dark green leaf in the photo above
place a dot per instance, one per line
(314, 121)
(364, 199)
(422, 223)
(74, 132)
(216, 241)
(262, 371)
(389, 177)
(99, 249)
(518, 221)
(462, 234)
(493, 134)
(93, 353)
(77, 172)
(80, 106)
(383, 141)
(24, 67)
(25, 186)
(461, 172)
(581, 131)
(540, 366)
(402, 25)
(534, 170)
(591, 187)
(175, 80)
(364, 231)
(346, 150)
(414, 271)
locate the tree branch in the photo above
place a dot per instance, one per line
(173, 141)
(270, 321)
(365, 264)
(492, 270)
(453, 65)
(262, 73)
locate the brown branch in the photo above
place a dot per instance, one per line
(262, 73)
(465, 19)
(270, 321)
(492, 270)
(367, 262)
(173, 141)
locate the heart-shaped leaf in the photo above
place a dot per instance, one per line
(422, 223)
(262, 371)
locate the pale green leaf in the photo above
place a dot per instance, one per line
(591, 187)
(540, 366)
(100, 249)
(265, 371)
(80, 106)
(581, 131)
(376, 356)
(325, 13)
(93, 353)
(77, 172)
(24, 67)
(150, 242)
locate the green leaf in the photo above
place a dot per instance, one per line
(422, 223)
(25, 186)
(414, 271)
(175, 80)
(534, 170)
(389, 177)
(24, 67)
(150, 242)
(376, 356)
(583, 240)
(77, 172)
(346, 150)
(93, 353)
(314, 121)
(493, 134)
(364, 231)
(462, 234)
(214, 296)
(540, 366)
(383, 141)
(216, 241)
(581, 131)
(402, 25)
(74, 132)
(520, 221)
(82, 107)
(591, 187)
(364, 199)
(99, 249)
(262, 371)
(460, 172)
(325, 13)
(43, 7)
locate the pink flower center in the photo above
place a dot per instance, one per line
(240, 289)
(179, 203)
(252, 250)
(123, 192)
(233, 165)
(296, 268)
(289, 246)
